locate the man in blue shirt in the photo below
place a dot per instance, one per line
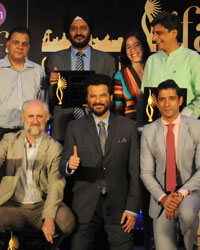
(78, 28)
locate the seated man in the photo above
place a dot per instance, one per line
(170, 170)
(31, 191)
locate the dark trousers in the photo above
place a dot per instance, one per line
(84, 235)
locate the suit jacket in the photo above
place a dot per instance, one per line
(153, 159)
(119, 167)
(101, 63)
(47, 178)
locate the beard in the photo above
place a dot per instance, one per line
(34, 132)
(102, 112)
(79, 45)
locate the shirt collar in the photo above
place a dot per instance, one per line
(177, 121)
(175, 52)
(105, 121)
(34, 144)
(86, 51)
(5, 63)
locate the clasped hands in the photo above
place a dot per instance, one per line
(171, 203)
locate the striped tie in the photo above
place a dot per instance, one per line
(79, 61)
(79, 112)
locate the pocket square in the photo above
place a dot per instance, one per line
(123, 140)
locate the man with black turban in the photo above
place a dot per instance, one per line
(78, 28)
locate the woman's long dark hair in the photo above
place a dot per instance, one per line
(145, 47)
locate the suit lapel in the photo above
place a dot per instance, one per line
(94, 60)
(92, 132)
(41, 154)
(19, 150)
(67, 60)
(183, 131)
(112, 127)
(160, 139)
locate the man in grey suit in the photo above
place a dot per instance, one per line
(178, 205)
(31, 191)
(101, 151)
(78, 28)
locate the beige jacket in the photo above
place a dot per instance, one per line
(47, 178)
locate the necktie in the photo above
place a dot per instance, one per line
(170, 160)
(79, 61)
(79, 112)
(102, 136)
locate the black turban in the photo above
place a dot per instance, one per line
(81, 11)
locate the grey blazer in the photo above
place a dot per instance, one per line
(153, 158)
(46, 174)
(101, 62)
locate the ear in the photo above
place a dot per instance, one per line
(7, 44)
(180, 101)
(175, 33)
(22, 116)
(111, 97)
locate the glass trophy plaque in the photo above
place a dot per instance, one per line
(70, 89)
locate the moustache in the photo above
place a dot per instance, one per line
(35, 125)
(98, 104)
(77, 36)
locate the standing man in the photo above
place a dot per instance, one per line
(170, 170)
(78, 28)
(173, 61)
(102, 151)
(20, 80)
(31, 191)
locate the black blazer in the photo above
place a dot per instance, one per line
(120, 166)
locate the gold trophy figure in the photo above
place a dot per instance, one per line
(13, 242)
(62, 84)
(151, 103)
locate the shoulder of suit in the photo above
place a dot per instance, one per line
(152, 126)
(58, 53)
(191, 122)
(101, 53)
(11, 137)
(51, 141)
(123, 120)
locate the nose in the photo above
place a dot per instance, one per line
(35, 120)
(154, 37)
(20, 46)
(167, 103)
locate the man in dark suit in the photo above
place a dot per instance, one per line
(175, 191)
(101, 150)
(78, 28)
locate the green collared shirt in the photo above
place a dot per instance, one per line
(182, 66)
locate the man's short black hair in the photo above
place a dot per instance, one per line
(169, 84)
(19, 29)
(98, 79)
(168, 20)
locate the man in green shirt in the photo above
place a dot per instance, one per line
(173, 61)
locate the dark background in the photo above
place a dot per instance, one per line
(113, 17)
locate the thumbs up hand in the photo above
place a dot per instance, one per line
(74, 160)
(54, 76)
